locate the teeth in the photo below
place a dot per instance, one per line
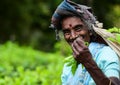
(81, 36)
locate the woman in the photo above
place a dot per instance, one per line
(101, 64)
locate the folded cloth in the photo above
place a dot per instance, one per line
(69, 8)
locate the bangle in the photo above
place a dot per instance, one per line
(110, 82)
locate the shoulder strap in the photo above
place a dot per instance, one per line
(109, 38)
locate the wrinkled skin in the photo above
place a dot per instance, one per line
(76, 34)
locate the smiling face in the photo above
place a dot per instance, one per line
(73, 27)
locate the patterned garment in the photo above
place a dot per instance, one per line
(106, 59)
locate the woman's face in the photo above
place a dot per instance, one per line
(72, 28)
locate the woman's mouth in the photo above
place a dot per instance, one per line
(79, 36)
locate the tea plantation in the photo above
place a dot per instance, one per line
(21, 65)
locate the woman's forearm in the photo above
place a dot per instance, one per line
(97, 74)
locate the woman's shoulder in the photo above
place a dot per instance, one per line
(108, 54)
(101, 46)
(102, 51)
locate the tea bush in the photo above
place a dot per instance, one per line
(21, 65)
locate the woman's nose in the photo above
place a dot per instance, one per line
(73, 35)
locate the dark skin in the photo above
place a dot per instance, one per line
(76, 33)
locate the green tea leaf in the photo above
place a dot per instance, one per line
(118, 38)
(114, 30)
(86, 43)
(74, 67)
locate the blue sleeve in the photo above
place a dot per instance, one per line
(108, 61)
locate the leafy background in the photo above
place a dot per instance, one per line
(20, 65)
(29, 53)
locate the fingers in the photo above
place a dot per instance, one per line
(80, 42)
(75, 51)
(79, 48)
(78, 45)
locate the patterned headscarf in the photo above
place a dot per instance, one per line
(69, 8)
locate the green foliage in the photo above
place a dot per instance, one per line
(27, 21)
(116, 32)
(26, 66)
(107, 12)
(114, 15)
(63, 48)
(70, 61)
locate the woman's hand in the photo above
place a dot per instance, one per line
(81, 52)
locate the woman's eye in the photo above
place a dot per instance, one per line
(79, 28)
(66, 32)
